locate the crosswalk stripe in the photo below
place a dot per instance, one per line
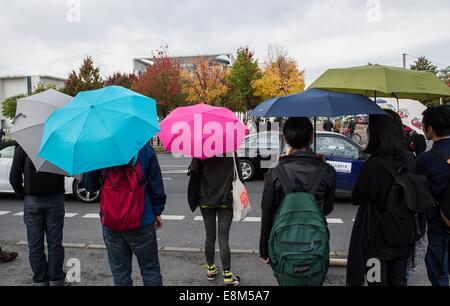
(19, 214)
(174, 218)
(70, 215)
(252, 219)
(335, 221)
(91, 216)
(198, 218)
(2, 213)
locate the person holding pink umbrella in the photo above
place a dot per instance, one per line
(207, 134)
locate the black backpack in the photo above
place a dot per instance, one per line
(444, 203)
(403, 221)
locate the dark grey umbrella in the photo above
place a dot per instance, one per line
(28, 125)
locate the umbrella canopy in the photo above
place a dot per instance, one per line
(409, 110)
(384, 81)
(99, 129)
(28, 125)
(202, 131)
(317, 103)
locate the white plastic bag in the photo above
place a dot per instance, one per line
(241, 201)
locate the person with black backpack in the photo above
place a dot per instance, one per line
(297, 196)
(392, 202)
(435, 165)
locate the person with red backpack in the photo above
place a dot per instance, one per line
(435, 165)
(132, 201)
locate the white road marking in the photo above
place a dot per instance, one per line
(71, 215)
(335, 221)
(2, 213)
(175, 172)
(198, 218)
(176, 166)
(91, 216)
(252, 219)
(167, 179)
(173, 218)
(19, 214)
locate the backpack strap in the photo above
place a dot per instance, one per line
(317, 178)
(281, 174)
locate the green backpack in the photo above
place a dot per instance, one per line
(299, 245)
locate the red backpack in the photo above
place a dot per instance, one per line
(123, 198)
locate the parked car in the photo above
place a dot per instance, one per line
(259, 152)
(73, 186)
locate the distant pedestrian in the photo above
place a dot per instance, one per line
(303, 181)
(327, 125)
(435, 165)
(351, 127)
(2, 135)
(43, 195)
(213, 191)
(337, 126)
(7, 256)
(132, 201)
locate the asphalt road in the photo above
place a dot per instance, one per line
(182, 228)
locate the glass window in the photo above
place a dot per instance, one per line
(7, 152)
(337, 147)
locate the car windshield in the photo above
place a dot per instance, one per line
(337, 147)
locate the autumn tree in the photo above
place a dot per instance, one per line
(206, 83)
(162, 82)
(281, 76)
(244, 72)
(126, 80)
(87, 78)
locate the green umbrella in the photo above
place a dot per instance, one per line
(384, 81)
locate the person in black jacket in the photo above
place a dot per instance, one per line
(43, 195)
(215, 200)
(300, 163)
(387, 142)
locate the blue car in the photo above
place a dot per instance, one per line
(259, 152)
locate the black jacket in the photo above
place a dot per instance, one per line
(299, 168)
(215, 177)
(25, 179)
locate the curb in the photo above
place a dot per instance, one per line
(337, 259)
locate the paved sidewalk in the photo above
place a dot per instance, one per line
(179, 268)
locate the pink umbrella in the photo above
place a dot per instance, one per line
(202, 131)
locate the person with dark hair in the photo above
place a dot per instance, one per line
(299, 163)
(374, 183)
(328, 125)
(432, 164)
(414, 142)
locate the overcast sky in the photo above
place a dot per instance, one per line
(37, 37)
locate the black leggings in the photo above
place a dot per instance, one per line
(225, 218)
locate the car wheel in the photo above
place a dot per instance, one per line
(83, 195)
(248, 170)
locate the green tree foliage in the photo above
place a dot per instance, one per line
(87, 78)
(242, 75)
(9, 106)
(424, 64)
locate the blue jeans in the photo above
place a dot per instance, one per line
(122, 245)
(437, 257)
(44, 216)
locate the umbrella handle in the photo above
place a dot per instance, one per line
(17, 117)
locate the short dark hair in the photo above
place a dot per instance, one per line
(438, 118)
(385, 138)
(298, 132)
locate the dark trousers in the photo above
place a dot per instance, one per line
(44, 216)
(393, 273)
(122, 245)
(437, 258)
(225, 218)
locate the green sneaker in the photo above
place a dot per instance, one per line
(230, 280)
(213, 271)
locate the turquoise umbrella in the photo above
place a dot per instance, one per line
(99, 129)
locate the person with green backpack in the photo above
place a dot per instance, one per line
(297, 196)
